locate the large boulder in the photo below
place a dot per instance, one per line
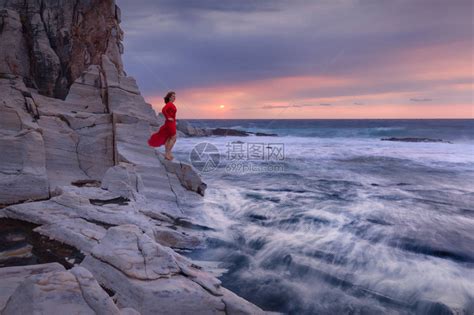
(72, 292)
(123, 180)
(12, 277)
(186, 174)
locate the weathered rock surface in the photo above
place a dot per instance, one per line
(72, 292)
(186, 174)
(76, 232)
(155, 280)
(12, 277)
(123, 180)
(50, 43)
(175, 238)
(22, 151)
(135, 254)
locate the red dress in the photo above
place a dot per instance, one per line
(168, 129)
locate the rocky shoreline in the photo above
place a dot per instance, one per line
(188, 130)
(77, 176)
(414, 139)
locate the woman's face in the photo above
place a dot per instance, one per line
(172, 97)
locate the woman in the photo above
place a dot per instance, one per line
(167, 133)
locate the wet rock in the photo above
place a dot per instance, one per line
(86, 183)
(120, 201)
(413, 139)
(235, 305)
(22, 244)
(198, 275)
(229, 132)
(19, 252)
(176, 295)
(263, 134)
(175, 239)
(189, 130)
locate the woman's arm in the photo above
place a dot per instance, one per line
(166, 112)
(171, 113)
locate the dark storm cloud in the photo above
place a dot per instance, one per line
(188, 6)
(185, 44)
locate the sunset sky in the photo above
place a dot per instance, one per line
(303, 59)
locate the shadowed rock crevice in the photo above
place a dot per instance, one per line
(21, 245)
(121, 201)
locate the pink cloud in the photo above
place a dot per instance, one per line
(436, 73)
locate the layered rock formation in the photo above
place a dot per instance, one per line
(74, 161)
(49, 43)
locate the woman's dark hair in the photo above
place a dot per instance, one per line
(168, 96)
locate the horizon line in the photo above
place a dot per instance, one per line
(471, 118)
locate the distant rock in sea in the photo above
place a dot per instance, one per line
(191, 131)
(413, 139)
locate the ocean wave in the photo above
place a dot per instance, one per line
(364, 225)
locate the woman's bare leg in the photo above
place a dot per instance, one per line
(168, 149)
(172, 142)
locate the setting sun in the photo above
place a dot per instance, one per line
(221, 107)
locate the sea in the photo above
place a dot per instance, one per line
(327, 218)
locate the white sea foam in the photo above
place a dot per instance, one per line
(351, 224)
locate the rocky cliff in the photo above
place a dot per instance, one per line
(76, 171)
(49, 43)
